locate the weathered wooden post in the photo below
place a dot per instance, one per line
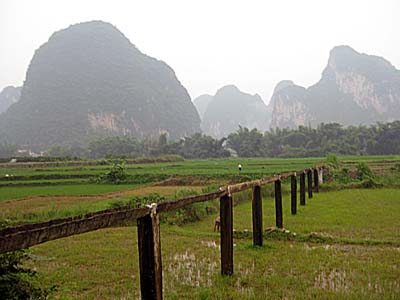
(226, 215)
(309, 183)
(321, 175)
(316, 186)
(278, 204)
(150, 255)
(302, 189)
(294, 194)
(257, 216)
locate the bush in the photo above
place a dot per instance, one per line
(116, 175)
(17, 282)
(363, 172)
(342, 176)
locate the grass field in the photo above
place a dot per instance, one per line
(7, 193)
(208, 168)
(104, 264)
(44, 207)
(347, 242)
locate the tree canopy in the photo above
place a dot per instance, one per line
(379, 139)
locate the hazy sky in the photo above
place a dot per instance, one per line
(252, 44)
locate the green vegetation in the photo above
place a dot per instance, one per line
(247, 143)
(377, 139)
(115, 146)
(380, 139)
(17, 282)
(116, 175)
(342, 245)
(338, 263)
(201, 172)
(8, 193)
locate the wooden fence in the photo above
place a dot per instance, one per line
(148, 225)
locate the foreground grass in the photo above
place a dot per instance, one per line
(104, 264)
(355, 214)
(370, 214)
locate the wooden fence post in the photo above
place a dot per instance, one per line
(257, 217)
(321, 176)
(309, 183)
(278, 204)
(226, 215)
(316, 186)
(302, 189)
(150, 255)
(294, 194)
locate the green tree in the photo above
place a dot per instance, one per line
(247, 143)
(115, 146)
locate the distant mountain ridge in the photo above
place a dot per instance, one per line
(8, 96)
(230, 108)
(89, 80)
(201, 103)
(354, 89)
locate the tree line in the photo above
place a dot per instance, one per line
(378, 139)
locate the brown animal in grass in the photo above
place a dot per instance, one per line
(217, 224)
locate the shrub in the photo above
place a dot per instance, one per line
(17, 282)
(363, 172)
(116, 175)
(342, 176)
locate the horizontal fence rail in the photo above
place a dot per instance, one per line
(24, 236)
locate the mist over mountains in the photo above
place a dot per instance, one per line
(354, 89)
(90, 80)
(229, 109)
(8, 96)
(201, 103)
